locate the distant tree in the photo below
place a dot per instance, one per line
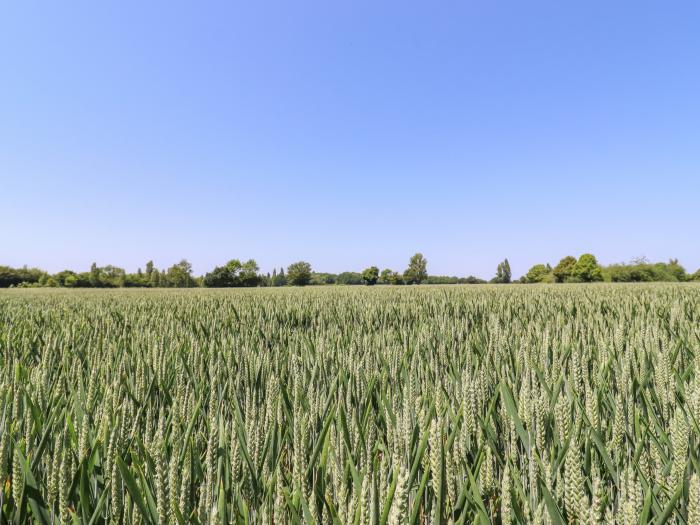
(349, 278)
(587, 269)
(395, 278)
(180, 275)
(695, 276)
(220, 277)
(641, 270)
(503, 273)
(322, 278)
(149, 268)
(95, 280)
(15, 276)
(370, 275)
(385, 276)
(279, 279)
(66, 278)
(675, 268)
(417, 270)
(233, 273)
(537, 274)
(299, 273)
(138, 279)
(565, 269)
(442, 279)
(249, 273)
(106, 277)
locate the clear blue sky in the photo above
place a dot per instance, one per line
(349, 133)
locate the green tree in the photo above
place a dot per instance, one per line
(395, 278)
(565, 269)
(233, 273)
(503, 273)
(299, 273)
(222, 277)
(506, 271)
(95, 280)
(15, 276)
(385, 275)
(66, 278)
(370, 275)
(249, 273)
(279, 279)
(323, 278)
(417, 270)
(537, 274)
(149, 268)
(180, 275)
(675, 268)
(587, 269)
(154, 280)
(348, 278)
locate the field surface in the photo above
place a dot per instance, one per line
(484, 404)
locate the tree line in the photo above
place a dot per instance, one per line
(236, 273)
(586, 269)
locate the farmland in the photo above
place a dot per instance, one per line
(483, 404)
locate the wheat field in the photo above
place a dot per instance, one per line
(483, 404)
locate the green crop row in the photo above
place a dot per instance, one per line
(459, 405)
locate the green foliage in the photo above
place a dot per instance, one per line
(643, 271)
(180, 275)
(675, 268)
(233, 274)
(539, 273)
(299, 273)
(279, 279)
(390, 277)
(249, 273)
(417, 270)
(446, 279)
(14, 276)
(246, 274)
(95, 276)
(386, 274)
(349, 278)
(370, 275)
(503, 273)
(587, 270)
(565, 269)
(320, 278)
